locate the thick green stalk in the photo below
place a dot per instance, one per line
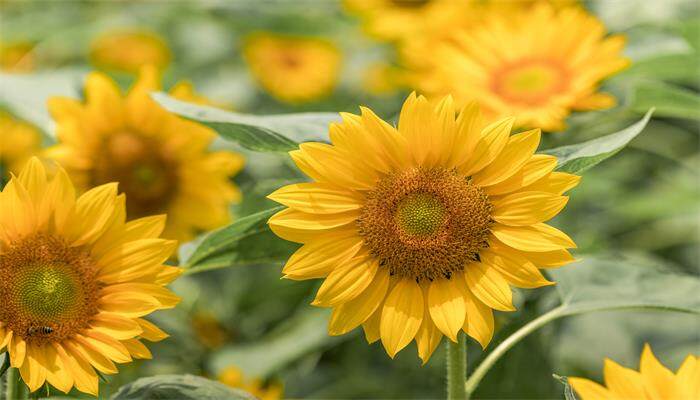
(15, 388)
(456, 368)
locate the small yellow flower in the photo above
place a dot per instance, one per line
(209, 330)
(19, 142)
(293, 69)
(420, 231)
(77, 280)
(128, 50)
(161, 161)
(17, 56)
(653, 381)
(537, 64)
(233, 377)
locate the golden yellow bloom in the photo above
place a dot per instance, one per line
(128, 50)
(77, 280)
(19, 142)
(293, 69)
(653, 381)
(233, 377)
(160, 160)
(17, 56)
(419, 231)
(537, 64)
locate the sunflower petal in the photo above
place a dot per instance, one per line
(402, 316)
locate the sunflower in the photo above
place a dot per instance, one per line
(128, 50)
(293, 69)
(77, 280)
(653, 381)
(160, 160)
(537, 64)
(19, 142)
(419, 231)
(233, 377)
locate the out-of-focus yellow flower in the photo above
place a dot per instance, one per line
(537, 64)
(382, 79)
(18, 142)
(291, 68)
(128, 50)
(161, 161)
(233, 377)
(653, 381)
(419, 231)
(77, 280)
(209, 330)
(17, 56)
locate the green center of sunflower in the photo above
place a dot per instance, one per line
(425, 224)
(420, 214)
(48, 289)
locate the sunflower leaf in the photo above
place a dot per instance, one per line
(184, 387)
(577, 158)
(670, 100)
(265, 133)
(568, 390)
(246, 241)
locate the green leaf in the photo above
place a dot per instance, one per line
(269, 133)
(303, 333)
(577, 158)
(568, 390)
(246, 241)
(181, 387)
(666, 67)
(669, 100)
(690, 29)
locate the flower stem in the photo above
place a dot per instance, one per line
(456, 368)
(15, 388)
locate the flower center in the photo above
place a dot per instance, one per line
(531, 82)
(409, 3)
(48, 290)
(425, 224)
(144, 172)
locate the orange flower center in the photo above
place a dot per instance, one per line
(409, 3)
(144, 172)
(48, 290)
(530, 82)
(425, 224)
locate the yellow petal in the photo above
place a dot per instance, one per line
(493, 139)
(658, 379)
(428, 336)
(105, 345)
(527, 208)
(83, 374)
(446, 305)
(32, 370)
(115, 325)
(515, 154)
(18, 351)
(317, 198)
(298, 226)
(133, 259)
(348, 316)
(555, 182)
(589, 390)
(371, 326)
(92, 211)
(128, 304)
(33, 178)
(58, 200)
(165, 297)
(346, 282)
(402, 316)
(57, 373)
(333, 167)
(537, 238)
(517, 270)
(469, 123)
(150, 331)
(624, 382)
(489, 286)
(546, 259)
(137, 349)
(537, 167)
(317, 258)
(688, 378)
(479, 321)
(92, 356)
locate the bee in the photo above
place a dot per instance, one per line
(41, 330)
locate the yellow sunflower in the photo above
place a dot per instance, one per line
(537, 64)
(233, 377)
(77, 280)
(17, 56)
(160, 160)
(420, 231)
(653, 381)
(128, 50)
(293, 69)
(19, 142)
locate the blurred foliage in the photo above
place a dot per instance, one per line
(642, 205)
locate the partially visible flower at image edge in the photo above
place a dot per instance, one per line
(127, 50)
(234, 377)
(77, 280)
(653, 381)
(162, 162)
(420, 230)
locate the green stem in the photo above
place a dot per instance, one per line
(456, 368)
(16, 389)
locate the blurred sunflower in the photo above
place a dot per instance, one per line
(419, 231)
(209, 330)
(537, 64)
(77, 280)
(653, 381)
(382, 79)
(160, 160)
(19, 142)
(128, 50)
(233, 377)
(293, 69)
(17, 56)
